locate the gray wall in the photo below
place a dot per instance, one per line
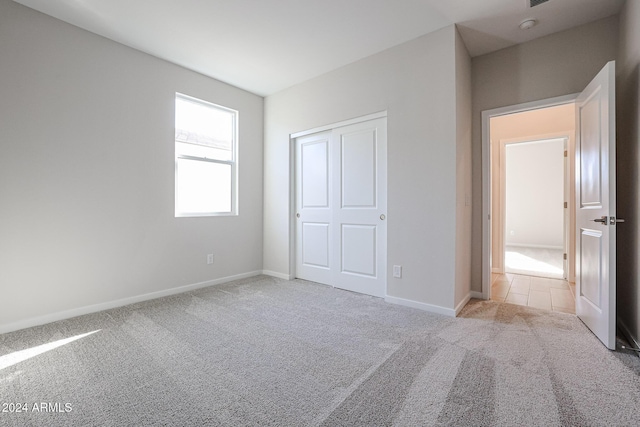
(555, 65)
(463, 171)
(87, 173)
(416, 83)
(628, 158)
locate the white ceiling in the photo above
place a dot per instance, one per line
(265, 46)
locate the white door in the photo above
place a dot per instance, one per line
(314, 240)
(596, 206)
(341, 200)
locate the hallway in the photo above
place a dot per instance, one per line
(539, 292)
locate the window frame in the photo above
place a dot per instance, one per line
(233, 163)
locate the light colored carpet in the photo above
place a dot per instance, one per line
(268, 352)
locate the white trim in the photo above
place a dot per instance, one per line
(566, 212)
(462, 303)
(94, 308)
(497, 270)
(292, 208)
(277, 275)
(486, 174)
(353, 121)
(421, 306)
(628, 335)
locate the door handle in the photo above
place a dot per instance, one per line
(603, 220)
(615, 220)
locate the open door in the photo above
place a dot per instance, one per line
(596, 206)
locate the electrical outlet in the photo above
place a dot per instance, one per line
(397, 271)
(210, 259)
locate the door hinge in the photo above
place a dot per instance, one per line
(564, 256)
(565, 205)
(566, 153)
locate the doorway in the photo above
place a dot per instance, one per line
(519, 126)
(535, 206)
(532, 207)
(532, 197)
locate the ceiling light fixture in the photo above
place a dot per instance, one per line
(528, 23)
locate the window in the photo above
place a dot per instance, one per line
(206, 160)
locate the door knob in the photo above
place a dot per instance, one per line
(615, 220)
(603, 220)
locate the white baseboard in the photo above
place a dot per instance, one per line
(94, 308)
(277, 275)
(628, 335)
(421, 306)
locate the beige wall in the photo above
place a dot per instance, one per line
(87, 175)
(555, 65)
(552, 122)
(628, 159)
(416, 84)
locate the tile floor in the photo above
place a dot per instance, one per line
(538, 292)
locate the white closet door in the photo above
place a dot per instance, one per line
(314, 207)
(341, 220)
